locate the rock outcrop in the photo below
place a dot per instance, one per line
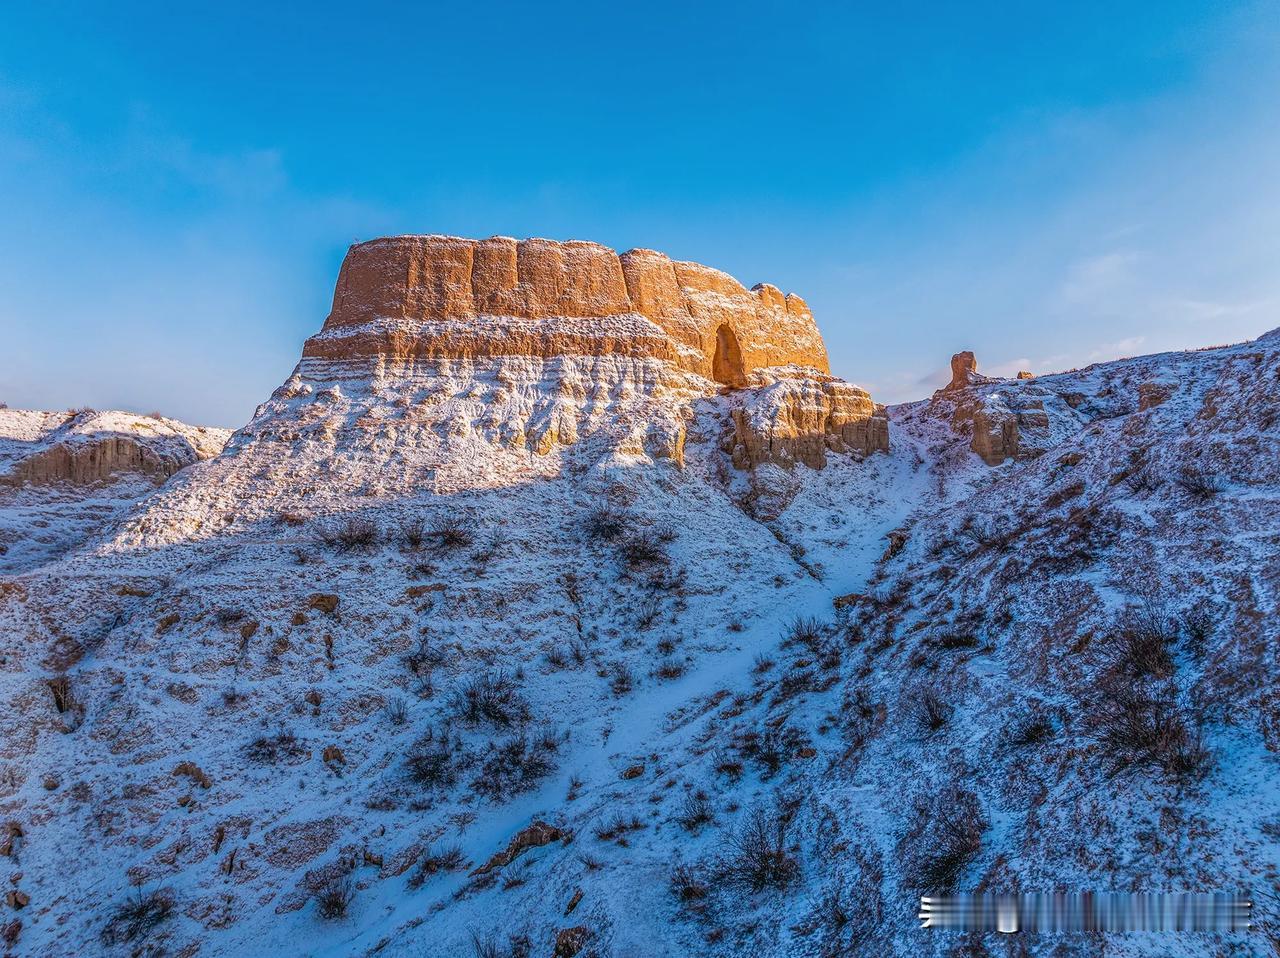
(997, 419)
(1000, 423)
(567, 329)
(788, 419)
(88, 447)
(443, 297)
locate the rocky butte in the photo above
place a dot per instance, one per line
(409, 302)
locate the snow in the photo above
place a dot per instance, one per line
(451, 441)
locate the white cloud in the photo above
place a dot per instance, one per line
(1117, 350)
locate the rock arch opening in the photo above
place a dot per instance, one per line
(726, 365)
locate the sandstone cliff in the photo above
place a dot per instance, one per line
(446, 297)
(786, 419)
(565, 325)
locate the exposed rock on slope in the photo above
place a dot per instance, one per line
(65, 475)
(789, 418)
(82, 447)
(457, 359)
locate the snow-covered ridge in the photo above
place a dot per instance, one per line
(86, 445)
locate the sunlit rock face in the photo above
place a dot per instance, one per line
(572, 332)
(788, 418)
(443, 297)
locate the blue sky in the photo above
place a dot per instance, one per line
(1048, 184)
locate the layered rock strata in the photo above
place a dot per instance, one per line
(431, 297)
(568, 329)
(791, 418)
(86, 447)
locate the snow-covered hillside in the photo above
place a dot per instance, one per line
(381, 678)
(65, 475)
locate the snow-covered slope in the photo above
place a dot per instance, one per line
(298, 699)
(65, 475)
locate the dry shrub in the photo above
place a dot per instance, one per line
(431, 762)
(493, 698)
(335, 896)
(354, 534)
(943, 836)
(136, 917)
(1200, 481)
(437, 861)
(642, 549)
(759, 856)
(447, 535)
(1142, 724)
(607, 524)
(516, 765)
(271, 749)
(929, 709)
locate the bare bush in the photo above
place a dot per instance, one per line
(669, 669)
(412, 534)
(642, 549)
(607, 524)
(437, 861)
(1200, 481)
(956, 639)
(649, 613)
(490, 548)
(64, 698)
(352, 535)
(695, 812)
(397, 710)
(793, 683)
(431, 762)
(272, 749)
(135, 918)
(423, 660)
(804, 630)
(687, 885)
(447, 535)
(987, 534)
(759, 856)
(771, 748)
(1138, 724)
(617, 828)
(621, 681)
(516, 765)
(335, 896)
(930, 710)
(1031, 727)
(1140, 643)
(944, 835)
(517, 946)
(1198, 625)
(494, 698)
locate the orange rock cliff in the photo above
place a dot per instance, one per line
(426, 297)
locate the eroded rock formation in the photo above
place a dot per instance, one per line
(788, 419)
(425, 297)
(567, 330)
(997, 419)
(88, 447)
